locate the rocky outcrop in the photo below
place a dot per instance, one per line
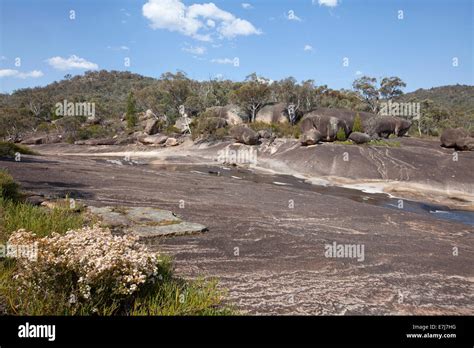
(34, 141)
(171, 142)
(156, 139)
(181, 123)
(345, 115)
(231, 113)
(328, 121)
(359, 138)
(244, 135)
(265, 134)
(465, 144)
(144, 222)
(327, 126)
(311, 137)
(273, 113)
(384, 126)
(152, 126)
(451, 136)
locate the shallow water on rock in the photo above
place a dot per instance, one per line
(291, 182)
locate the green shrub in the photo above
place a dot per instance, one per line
(131, 115)
(259, 125)
(280, 130)
(129, 280)
(176, 297)
(207, 128)
(8, 187)
(341, 134)
(45, 127)
(42, 221)
(8, 149)
(170, 130)
(345, 142)
(357, 126)
(92, 131)
(50, 285)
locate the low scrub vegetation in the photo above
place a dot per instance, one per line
(93, 131)
(16, 215)
(341, 135)
(209, 128)
(8, 149)
(281, 130)
(9, 189)
(79, 268)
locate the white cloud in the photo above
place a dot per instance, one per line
(8, 72)
(199, 50)
(247, 6)
(73, 62)
(237, 27)
(210, 23)
(20, 75)
(308, 47)
(358, 72)
(119, 48)
(328, 3)
(3, 58)
(199, 21)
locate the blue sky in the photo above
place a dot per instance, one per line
(307, 39)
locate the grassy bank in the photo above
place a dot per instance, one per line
(164, 294)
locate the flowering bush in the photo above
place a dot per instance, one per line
(90, 264)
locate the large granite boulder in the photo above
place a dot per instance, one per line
(465, 144)
(231, 113)
(265, 134)
(171, 142)
(450, 136)
(359, 138)
(345, 115)
(244, 135)
(152, 126)
(181, 123)
(156, 139)
(384, 126)
(328, 126)
(307, 124)
(374, 125)
(34, 141)
(273, 113)
(310, 137)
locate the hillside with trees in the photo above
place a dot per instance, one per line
(443, 107)
(117, 96)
